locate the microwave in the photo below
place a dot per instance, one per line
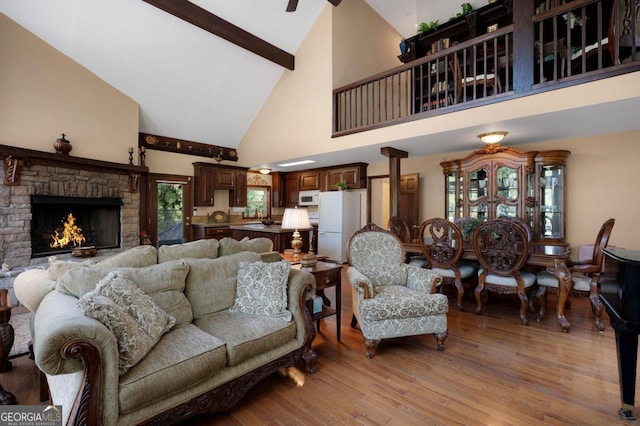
(308, 198)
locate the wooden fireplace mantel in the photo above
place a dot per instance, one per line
(14, 158)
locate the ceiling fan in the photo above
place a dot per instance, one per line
(293, 4)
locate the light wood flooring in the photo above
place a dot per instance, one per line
(493, 371)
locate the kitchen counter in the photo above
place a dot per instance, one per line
(258, 227)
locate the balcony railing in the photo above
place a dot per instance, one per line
(576, 42)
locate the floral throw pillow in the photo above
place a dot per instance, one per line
(132, 316)
(262, 289)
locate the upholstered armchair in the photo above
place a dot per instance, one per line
(391, 298)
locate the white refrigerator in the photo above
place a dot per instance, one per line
(338, 219)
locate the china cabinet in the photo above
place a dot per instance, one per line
(499, 181)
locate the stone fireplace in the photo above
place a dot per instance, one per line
(98, 220)
(39, 183)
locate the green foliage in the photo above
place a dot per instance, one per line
(469, 227)
(169, 206)
(466, 9)
(342, 185)
(424, 27)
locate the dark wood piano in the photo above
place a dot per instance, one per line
(621, 299)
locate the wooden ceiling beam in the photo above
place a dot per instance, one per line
(209, 22)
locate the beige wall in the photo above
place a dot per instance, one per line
(44, 93)
(364, 40)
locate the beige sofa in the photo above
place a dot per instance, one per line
(205, 363)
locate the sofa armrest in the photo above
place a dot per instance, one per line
(301, 289)
(31, 286)
(67, 341)
(422, 280)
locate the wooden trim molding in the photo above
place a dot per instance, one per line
(209, 22)
(15, 158)
(181, 146)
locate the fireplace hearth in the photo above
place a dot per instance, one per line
(98, 219)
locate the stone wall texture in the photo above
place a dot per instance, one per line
(15, 206)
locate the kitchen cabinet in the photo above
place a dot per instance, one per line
(201, 232)
(354, 175)
(238, 196)
(204, 181)
(292, 188)
(498, 181)
(309, 180)
(277, 189)
(225, 178)
(210, 177)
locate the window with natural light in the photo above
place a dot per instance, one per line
(257, 202)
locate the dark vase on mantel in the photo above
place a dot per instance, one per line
(62, 145)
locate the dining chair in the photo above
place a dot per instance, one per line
(579, 277)
(502, 248)
(624, 31)
(442, 245)
(400, 228)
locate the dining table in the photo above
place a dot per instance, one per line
(541, 256)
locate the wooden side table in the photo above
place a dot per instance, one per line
(327, 275)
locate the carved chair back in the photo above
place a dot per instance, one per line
(441, 242)
(400, 229)
(501, 246)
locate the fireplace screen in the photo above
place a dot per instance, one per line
(97, 218)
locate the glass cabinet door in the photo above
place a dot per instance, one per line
(551, 201)
(478, 194)
(452, 195)
(507, 192)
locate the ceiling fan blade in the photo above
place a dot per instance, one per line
(292, 5)
(334, 2)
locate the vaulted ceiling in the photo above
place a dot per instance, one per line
(189, 83)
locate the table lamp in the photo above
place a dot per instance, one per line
(296, 219)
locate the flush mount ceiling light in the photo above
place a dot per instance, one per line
(492, 137)
(264, 170)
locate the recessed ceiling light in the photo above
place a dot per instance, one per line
(296, 163)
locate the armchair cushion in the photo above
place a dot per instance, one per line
(262, 289)
(133, 317)
(394, 302)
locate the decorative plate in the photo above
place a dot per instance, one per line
(219, 216)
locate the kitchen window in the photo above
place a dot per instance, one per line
(258, 205)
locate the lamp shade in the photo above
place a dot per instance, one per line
(295, 219)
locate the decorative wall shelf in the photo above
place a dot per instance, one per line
(180, 146)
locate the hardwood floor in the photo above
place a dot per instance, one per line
(493, 371)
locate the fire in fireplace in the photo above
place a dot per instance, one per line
(98, 218)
